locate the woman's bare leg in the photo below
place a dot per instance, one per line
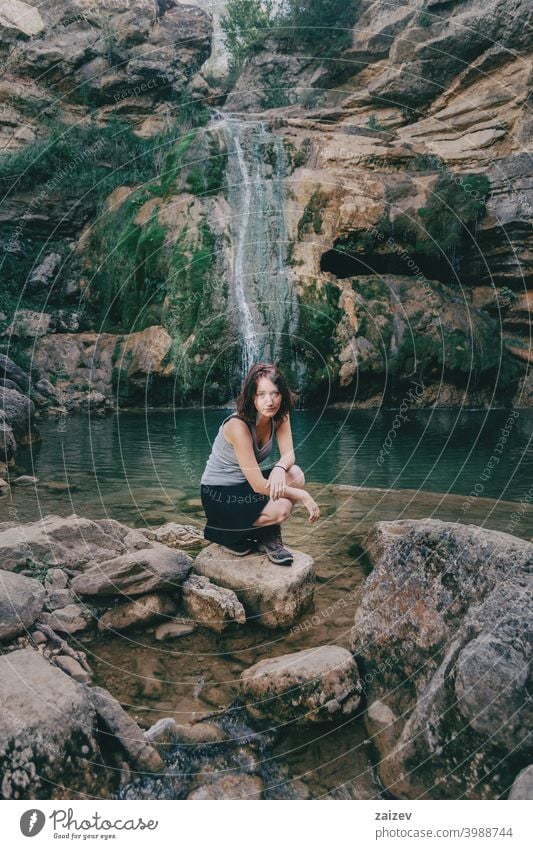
(275, 512)
(296, 477)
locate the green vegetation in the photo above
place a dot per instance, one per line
(201, 351)
(297, 157)
(310, 25)
(297, 25)
(454, 206)
(427, 162)
(189, 283)
(364, 241)
(172, 166)
(424, 20)
(74, 167)
(99, 158)
(313, 98)
(397, 191)
(276, 92)
(506, 296)
(319, 317)
(208, 178)
(373, 124)
(129, 281)
(245, 24)
(312, 214)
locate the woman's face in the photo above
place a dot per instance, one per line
(267, 398)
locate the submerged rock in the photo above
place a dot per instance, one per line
(314, 685)
(73, 668)
(167, 732)
(201, 757)
(443, 638)
(171, 630)
(147, 608)
(273, 596)
(238, 786)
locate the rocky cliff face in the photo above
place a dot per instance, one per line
(415, 180)
(124, 57)
(393, 179)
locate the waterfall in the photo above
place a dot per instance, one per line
(244, 193)
(264, 300)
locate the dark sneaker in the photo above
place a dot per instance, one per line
(244, 546)
(271, 544)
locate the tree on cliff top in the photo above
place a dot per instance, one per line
(245, 24)
(292, 24)
(312, 24)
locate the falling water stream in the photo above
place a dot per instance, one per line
(265, 301)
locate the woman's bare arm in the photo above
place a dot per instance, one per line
(238, 433)
(284, 439)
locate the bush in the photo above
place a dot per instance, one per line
(297, 24)
(245, 25)
(312, 214)
(312, 24)
(453, 208)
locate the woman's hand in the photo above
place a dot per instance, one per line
(310, 504)
(278, 482)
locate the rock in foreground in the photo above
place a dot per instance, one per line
(48, 739)
(71, 541)
(314, 685)
(443, 637)
(149, 570)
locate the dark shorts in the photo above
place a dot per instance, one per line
(231, 510)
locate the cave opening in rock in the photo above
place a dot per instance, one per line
(343, 264)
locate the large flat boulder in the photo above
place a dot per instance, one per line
(273, 596)
(71, 541)
(443, 639)
(21, 601)
(314, 685)
(146, 571)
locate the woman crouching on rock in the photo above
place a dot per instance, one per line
(244, 504)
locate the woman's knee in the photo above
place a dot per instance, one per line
(275, 511)
(295, 476)
(284, 508)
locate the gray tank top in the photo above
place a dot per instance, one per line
(222, 467)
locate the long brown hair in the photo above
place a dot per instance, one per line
(245, 401)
